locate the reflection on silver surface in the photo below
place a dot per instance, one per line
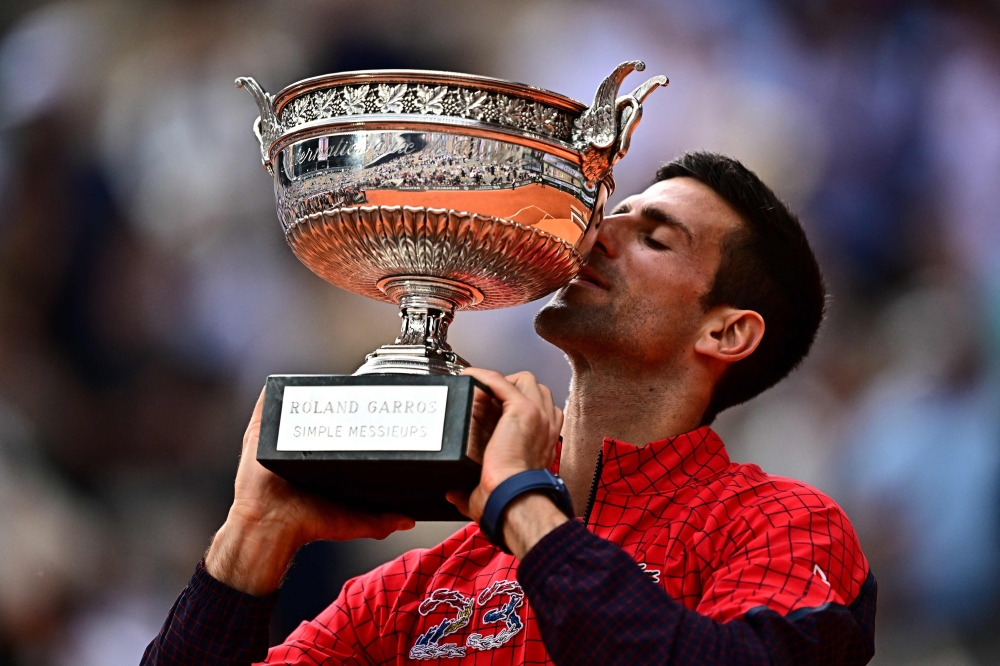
(504, 263)
(441, 191)
(341, 169)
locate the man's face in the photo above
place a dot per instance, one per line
(638, 294)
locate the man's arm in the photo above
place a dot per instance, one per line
(212, 623)
(593, 603)
(221, 617)
(595, 606)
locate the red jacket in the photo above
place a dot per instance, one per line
(771, 566)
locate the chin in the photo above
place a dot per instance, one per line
(572, 325)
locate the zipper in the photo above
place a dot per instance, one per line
(593, 486)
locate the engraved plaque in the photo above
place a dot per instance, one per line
(362, 418)
(372, 442)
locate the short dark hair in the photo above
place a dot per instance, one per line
(766, 266)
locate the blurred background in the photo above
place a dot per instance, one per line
(146, 291)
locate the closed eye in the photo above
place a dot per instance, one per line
(655, 244)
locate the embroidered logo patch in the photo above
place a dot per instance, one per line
(429, 644)
(507, 614)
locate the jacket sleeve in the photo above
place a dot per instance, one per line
(595, 606)
(345, 633)
(211, 623)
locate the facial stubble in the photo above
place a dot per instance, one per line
(628, 328)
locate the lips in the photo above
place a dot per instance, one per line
(589, 276)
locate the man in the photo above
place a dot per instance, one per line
(680, 556)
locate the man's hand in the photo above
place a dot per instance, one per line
(523, 438)
(270, 520)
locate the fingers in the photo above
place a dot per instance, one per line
(546, 393)
(460, 499)
(502, 389)
(525, 436)
(558, 421)
(555, 414)
(486, 409)
(514, 388)
(486, 412)
(541, 396)
(521, 389)
(253, 428)
(476, 449)
(387, 523)
(342, 524)
(538, 393)
(529, 386)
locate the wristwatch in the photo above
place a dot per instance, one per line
(541, 480)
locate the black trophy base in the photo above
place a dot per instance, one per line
(376, 443)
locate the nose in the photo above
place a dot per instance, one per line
(607, 241)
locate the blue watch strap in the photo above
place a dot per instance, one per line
(535, 479)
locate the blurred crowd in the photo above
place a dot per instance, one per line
(146, 292)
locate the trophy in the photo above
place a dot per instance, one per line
(438, 192)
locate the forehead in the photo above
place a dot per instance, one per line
(704, 212)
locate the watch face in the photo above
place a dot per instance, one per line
(561, 495)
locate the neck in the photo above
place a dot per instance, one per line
(629, 404)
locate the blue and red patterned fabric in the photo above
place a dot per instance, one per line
(685, 557)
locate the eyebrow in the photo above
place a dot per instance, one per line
(657, 215)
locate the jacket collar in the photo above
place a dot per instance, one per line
(660, 466)
(663, 465)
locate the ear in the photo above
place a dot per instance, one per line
(729, 335)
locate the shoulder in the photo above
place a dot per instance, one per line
(790, 519)
(779, 498)
(781, 544)
(769, 493)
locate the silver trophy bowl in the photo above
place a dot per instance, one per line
(440, 191)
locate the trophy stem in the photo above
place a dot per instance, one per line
(427, 307)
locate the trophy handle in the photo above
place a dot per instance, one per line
(267, 126)
(630, 112)
(603, 132)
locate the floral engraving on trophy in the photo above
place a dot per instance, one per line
(472, 103)
(429, 100)
(511, 110)
(326, 105)
(322, 104)
(544, 116)
(354, 99)
(448, 101)
(390, 98)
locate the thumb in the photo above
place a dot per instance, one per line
(385, 524)
(337, 523)
(253, 428)
(460, 499)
